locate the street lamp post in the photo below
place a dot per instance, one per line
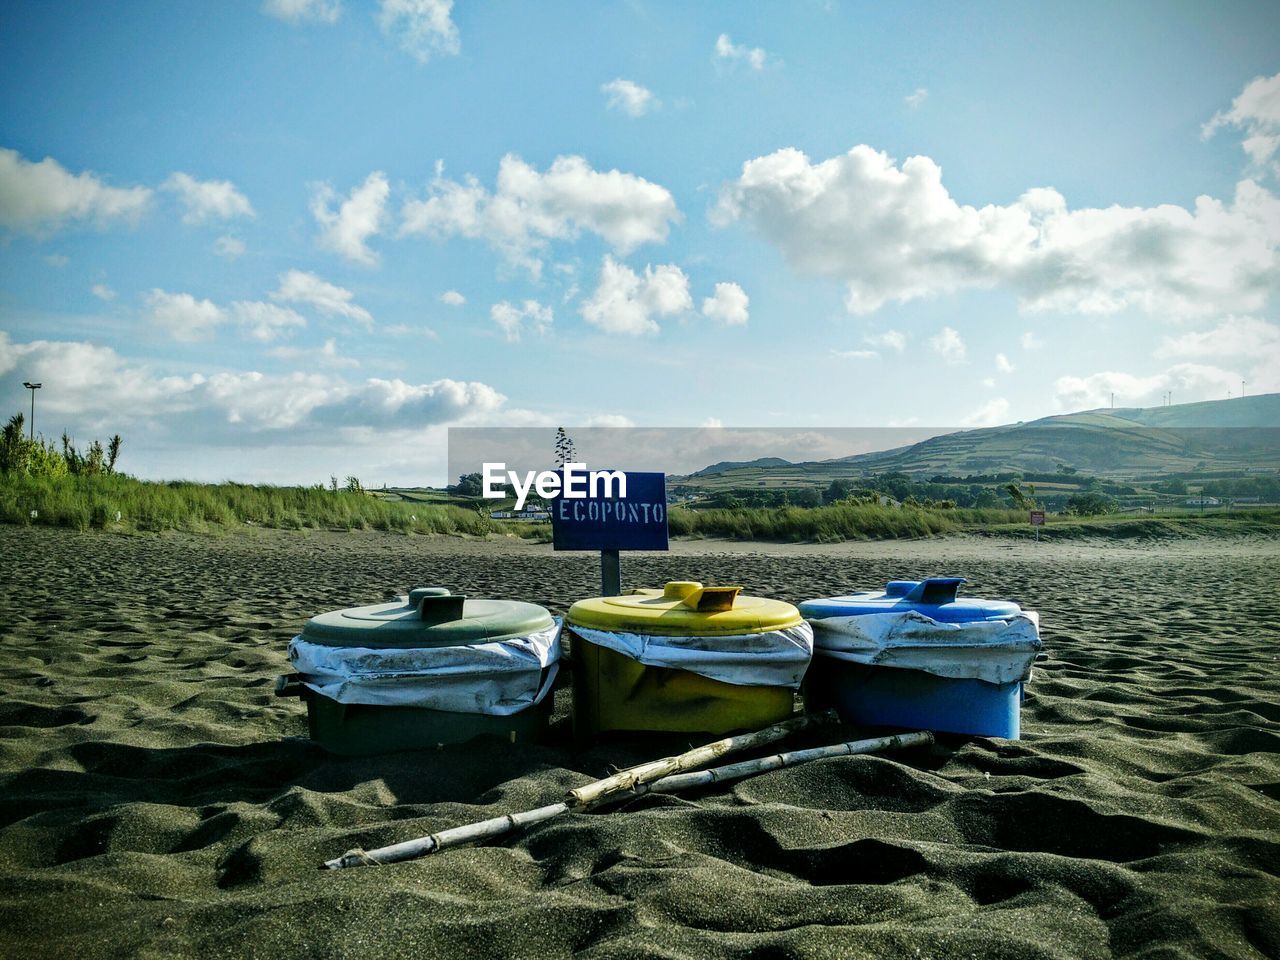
(33, 387)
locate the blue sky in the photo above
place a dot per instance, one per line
(275, 241)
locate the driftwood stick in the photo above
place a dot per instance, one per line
(468, 833)
(590, 794)
(632, 777)
(749, 768)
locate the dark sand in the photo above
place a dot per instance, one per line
(157, 801)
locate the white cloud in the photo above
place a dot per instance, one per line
(1188, 381)
(44, 196)
(856, 354)
(629, 97)
(625, 302)
(1253, 343)
(186, 318)
(513, 321)
(894, 234)
(182, 316)
(1030, 341)
(729, 52)
(359, 217)
(57, 260)
(453, 298)
(1233, 337)
(1003, 364)
(326, 355)
(614, 420)
(913, 100)
(992, 413)
(243, 407)
(891, 339)
(265, 321)
(102, 292)
(299, 286)
(1256, 112)
(947, 344)
(528, 209)
(205, 200)
(423, 28)
(989, 382)
(229, 247)
(296, 11)
(728, 306)
(712, 423)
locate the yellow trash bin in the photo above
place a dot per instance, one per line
(686, 658)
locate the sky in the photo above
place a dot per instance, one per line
(277, 241)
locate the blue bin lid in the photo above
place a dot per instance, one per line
(934, 597)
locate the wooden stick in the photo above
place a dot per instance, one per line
(749, 768)
(632, 777)
(591, 793)
(497, 826)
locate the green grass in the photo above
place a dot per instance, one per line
(841, 522)
(831, 524)
(91, 502)
(1172, 525)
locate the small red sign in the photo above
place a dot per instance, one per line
(1037, 518)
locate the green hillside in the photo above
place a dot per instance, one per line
(1213, 436)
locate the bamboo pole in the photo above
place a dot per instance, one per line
(589, 794)
(749, 768)
(498, 826)
(655, 769)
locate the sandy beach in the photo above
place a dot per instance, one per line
(156, 799)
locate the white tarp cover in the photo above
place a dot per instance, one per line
(998, 651)
(774, 659)
(497, 679)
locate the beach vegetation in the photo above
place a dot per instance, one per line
(103, 500)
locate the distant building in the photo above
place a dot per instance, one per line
(1203, 502)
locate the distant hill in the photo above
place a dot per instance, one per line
(1235, 434)
(725, 465)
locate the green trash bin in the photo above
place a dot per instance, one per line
(426, 669)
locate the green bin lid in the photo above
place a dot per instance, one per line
(427, 617)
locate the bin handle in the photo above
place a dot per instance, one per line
(935, 591)
(441, 609)
(712, 599)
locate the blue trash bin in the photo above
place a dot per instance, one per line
(915, 655)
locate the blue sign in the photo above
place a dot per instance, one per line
(637, 521)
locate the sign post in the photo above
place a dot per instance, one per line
(1037, 521)
(637, 521)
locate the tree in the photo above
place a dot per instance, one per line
(565, 451)
(1091, 504)
(113, 453)
(469, 485)
(1020, 499)
(805, 497)
(838, 490)
(13, 446)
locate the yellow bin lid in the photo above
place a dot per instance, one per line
(685, 608)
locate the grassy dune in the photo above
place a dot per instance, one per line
(89, 502)
(93, 501)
